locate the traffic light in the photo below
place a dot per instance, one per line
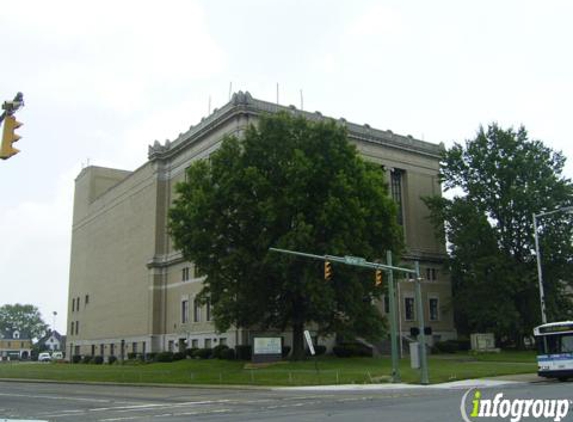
(327, 270)
(9, 137)
(379, 279)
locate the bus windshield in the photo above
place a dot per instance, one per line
(555, 344)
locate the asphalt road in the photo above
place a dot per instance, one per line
(103, 403)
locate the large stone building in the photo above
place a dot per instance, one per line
(131, 292)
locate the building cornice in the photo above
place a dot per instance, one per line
(244, 104)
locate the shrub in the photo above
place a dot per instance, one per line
(228, 354)
(217, 350)
(151, 357)
(244, 352)
(76, 358)
(203, 353)
(285, 351)
(448, 346)
(346, 350)
(98, 360)
(132, 355)
(191, 351)
(111, 360)
(179, 356)
(86, 359)
(164, 357)
(464, 344)
(320, 349)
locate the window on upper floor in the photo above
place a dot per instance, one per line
(431, 274)
(434, 309)
(184, 311)
(396, 182)
(196, 311)
(409, 313)
(185, 274)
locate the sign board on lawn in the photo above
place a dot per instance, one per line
(267, 349)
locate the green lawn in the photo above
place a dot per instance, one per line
(326, 370)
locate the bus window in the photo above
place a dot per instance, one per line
(567, 344)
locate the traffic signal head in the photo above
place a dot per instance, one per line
(379, 279)
(327, 270)
(9, 137)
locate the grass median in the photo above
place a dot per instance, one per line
(317, 371)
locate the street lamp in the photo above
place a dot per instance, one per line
(539, 271)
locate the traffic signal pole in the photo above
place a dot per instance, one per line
(389, 268)
(395, 340)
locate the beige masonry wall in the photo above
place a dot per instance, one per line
(112, 237)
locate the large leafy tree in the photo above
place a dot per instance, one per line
(498, 180)
(26, 318)
(294, 184)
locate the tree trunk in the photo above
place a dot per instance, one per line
(297, 341)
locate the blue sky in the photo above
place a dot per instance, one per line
(102, 80)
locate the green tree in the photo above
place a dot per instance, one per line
(500, 179)
(26, 318)
(293, 184)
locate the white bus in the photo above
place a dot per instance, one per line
(555, 350)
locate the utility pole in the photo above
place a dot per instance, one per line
(567, 209)
(389, 268)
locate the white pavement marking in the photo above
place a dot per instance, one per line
(37, 396)
(377, 387)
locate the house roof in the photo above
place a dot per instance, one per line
(49, 335)
(14, 334)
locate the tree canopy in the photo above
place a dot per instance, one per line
(294, 184)
(26, 318)
(500, 179)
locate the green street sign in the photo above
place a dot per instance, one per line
(354, 260)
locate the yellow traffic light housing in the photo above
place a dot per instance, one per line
(327, 270)
(9, 137)
(379, 278)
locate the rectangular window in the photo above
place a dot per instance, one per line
(77, 327)
(196, 311)
(184, 311)
(223, 341)
(72, 327)
(409, 309)
(185, 274)
(434, 309)
(207, 343)
(396, 188)
(87, 299)
(78, 304)
(112, 349)
(134, 347)
(195, 344)
(196, 272)
(170, 345)
(208, 310)
(74, 305)
(93, 350)
(431, 274)
(101, 349)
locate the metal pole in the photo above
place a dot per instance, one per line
(393, 335)
(539, 272)
(424, 379)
